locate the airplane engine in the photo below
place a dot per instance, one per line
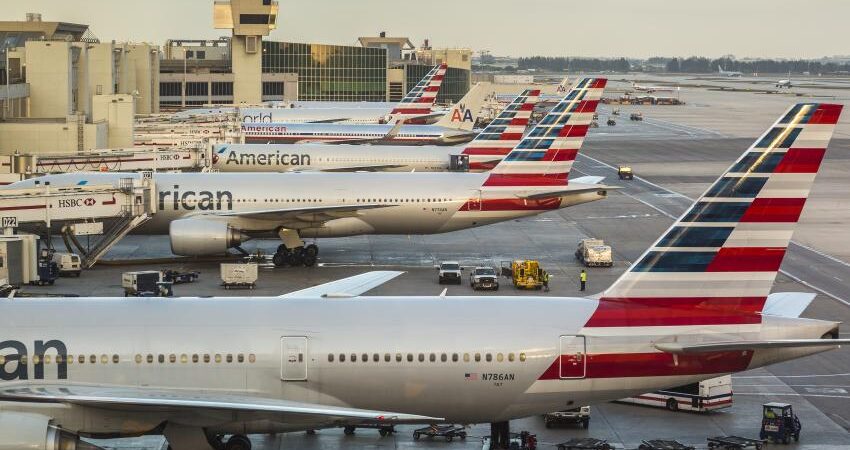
(197, 237)
(35, 431)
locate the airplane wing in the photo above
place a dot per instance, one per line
(309, 214)
(370, 168)
(728, 346)
(203, 405)
(346, 287)
(378, 140)
(340, 119)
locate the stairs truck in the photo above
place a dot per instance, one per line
(594, 253)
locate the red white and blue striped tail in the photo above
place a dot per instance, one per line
(717, 263)
(544, 156)
(503, 133)
(419, 101)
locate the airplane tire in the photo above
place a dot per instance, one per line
(312, 249)
(296, 258)
(238, 442)
(309, 261)
(282, 248)
(672, 404)
(279, 259)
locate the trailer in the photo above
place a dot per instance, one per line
(238, 276)
(734, 443)
(180, 277)
(448, 432)
(585, 444)
(383, 430)
(662, 444)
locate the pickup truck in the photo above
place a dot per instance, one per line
(449, 272)
(484, 278)
(576, 415)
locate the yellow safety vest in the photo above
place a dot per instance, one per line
(583, 276)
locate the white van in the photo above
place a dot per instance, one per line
(69, 264)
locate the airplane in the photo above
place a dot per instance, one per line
(785, 83)
(414, 108)
(455, 127)
(728, 73)
(651, 89)
(695, 305)
(545, 99)
(482, 153)
(208, 213)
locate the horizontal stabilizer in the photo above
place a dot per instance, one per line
(347, 287)
(787, 304)
(590, 179)
(568, 191)
(730, 346)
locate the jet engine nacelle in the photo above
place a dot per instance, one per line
(36, 432)
(198, 237)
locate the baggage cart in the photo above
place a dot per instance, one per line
(448, 432)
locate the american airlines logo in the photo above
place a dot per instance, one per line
(462, 114)
(14, 364)
(263, 129)
(275, 158)
(192, 200)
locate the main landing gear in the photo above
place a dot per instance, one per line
(293, 251)
(303, 255)
(235, 442)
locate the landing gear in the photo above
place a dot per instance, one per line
(293, 252)
(238, 442)
(500, 435)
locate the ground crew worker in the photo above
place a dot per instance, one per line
(545, 281)
(583, 279)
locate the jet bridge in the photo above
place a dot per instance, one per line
(107, 211)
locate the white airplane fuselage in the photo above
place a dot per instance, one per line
(418, 203)
(319, 157)
(401, 354)
(283, 133)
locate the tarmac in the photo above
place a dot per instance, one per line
(676, 152)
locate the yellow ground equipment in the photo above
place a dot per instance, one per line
(525, 274)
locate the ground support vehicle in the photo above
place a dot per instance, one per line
(594, 253)
(663, 444)
(238, 276)
(779, 423)
(585, 444)
(180, 277)
(625, 173)
(145, 283)
(524, 273)
(383, 430)
(69, 264)
(449, 272)
(734, 443)
(576, 415)
(484, 278)
(636, 116)
(448, 432)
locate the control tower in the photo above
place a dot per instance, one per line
(249, 21)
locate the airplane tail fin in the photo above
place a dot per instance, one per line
(720, 258)
(564, 86)
(503, 133)
(544, 156)
(420, 99)
(463, 114)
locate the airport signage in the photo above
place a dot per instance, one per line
(8, 222)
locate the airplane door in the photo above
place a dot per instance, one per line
(573, 359)
(293, 364)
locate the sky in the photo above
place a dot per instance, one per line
(603, 28)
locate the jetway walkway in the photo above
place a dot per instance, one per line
(107, 211)
(120, 160)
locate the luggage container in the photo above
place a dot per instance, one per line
(238, 275)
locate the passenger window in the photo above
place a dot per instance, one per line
(432, 357)
(522, 357)
(172, 358)
(342, 357)
(421, 357)
(252, 358)
(207, 358)
(184, 358)
(387, 357)
(104, 359)
(376, 357)
(47, 359)
(478, 357)
(364, 357)
(23, 359)
(93, 359)
(36, 359)
(138, 359)
(115, 359)
(240, 358)
(398, 357)
(511, 357)
(69, 359)
(195, 358)
(218, 358)
(444, 357)
(500, 357)
(229, 358)
(410, 357)
(354, 357)
(488, 357)
(466, 357)
(330, 357)
(2, 360)
(454, 357)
